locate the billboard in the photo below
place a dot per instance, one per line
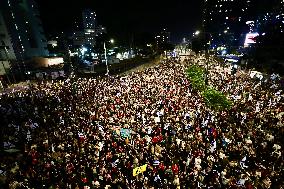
(250, 39)
(46, 62)
(55, 61)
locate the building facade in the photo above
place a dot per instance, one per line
(84, 38)
(270, 16)
(89, 19)
(228, 21)
(6, 47)
(25, 28)
(100, 30)
(162, 38)
(90, 31)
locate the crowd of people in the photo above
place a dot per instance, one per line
(69, 132)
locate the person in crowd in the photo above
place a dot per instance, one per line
(92, 133)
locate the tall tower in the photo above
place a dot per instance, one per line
(165, 34)
(89, 19)
(25, 28)
(89, 24)
(281, 15)
(222, 18)
(6, 47)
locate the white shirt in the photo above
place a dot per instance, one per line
(157, 178)
(29, 137)
(242, 163)
(149, 130)
(157, 119)
(241, 182)
(213, 146)
(101, 144)
(178, 141)
(186, 115)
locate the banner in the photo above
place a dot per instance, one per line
(138, 170)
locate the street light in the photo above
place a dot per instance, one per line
(111, 41)
(197, 32)
(206, 52)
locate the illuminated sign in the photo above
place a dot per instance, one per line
(250, 39)
(54, 61)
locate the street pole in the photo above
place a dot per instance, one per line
(207, 54)
(107, 73)
(207, 60)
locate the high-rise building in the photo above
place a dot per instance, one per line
(165, 34)
(25, 28)
(89, 19)
(270, 16)
(223, 18)
(90, 30)
(78, 38)
(6, 47)
(163, 37)
(281, 15)
(100, 30)
(84, 38)
(226, 20)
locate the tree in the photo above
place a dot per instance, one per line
(213, 98)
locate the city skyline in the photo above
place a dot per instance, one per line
(124, 18)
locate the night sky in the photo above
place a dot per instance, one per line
(125, 17)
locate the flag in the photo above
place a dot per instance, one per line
(138, 170)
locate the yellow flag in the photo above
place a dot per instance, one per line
(135, 171)
(138, 170)
(126, 141)
(143, 168)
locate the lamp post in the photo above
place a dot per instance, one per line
(206, 52)
(105, 48)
